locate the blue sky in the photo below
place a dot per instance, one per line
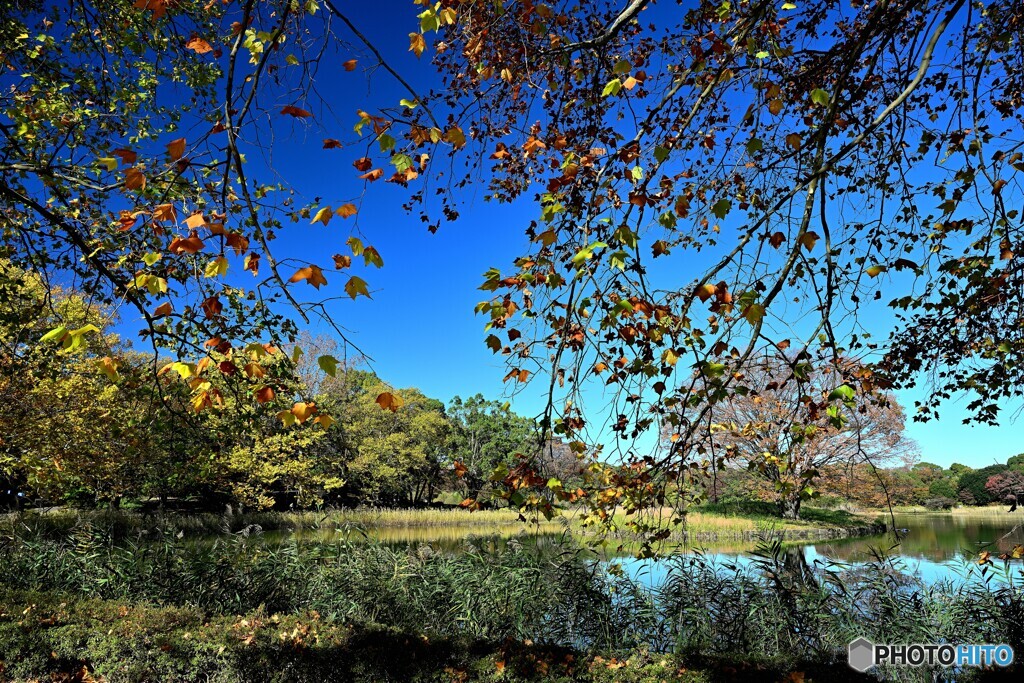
(419, 327)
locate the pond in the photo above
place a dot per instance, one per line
(935, 545)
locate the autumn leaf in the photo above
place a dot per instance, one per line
(264, 394)
(373, 175)
(186, 245)
(389, 401)
(176, 148)
(356, 286)
(165, 212)
(157, 7)
(349, 65)
(108, 367)
(303, 411)
(128, 157)
(311, 274)
(775, 106)
(342, 261)
(808, 240)
(198, 45)
(417, 44)
(347, 210)
(292, 110)
(705, 292)
(212, 307)
(162, 310)
(323, 215)
(134, 179)
(195, 221)
(754, 313)
(331, 143)
(460, 469)
(875, 270)
(363, 164)
(793, 140)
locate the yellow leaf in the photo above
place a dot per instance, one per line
(216, 268)
(325, 421)
(109, 367)
(875, 270)
(323, 216)
(417, 44)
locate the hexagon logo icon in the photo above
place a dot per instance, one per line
(862, 654)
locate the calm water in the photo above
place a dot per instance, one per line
(936, 545)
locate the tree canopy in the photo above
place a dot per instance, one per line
(832, 183)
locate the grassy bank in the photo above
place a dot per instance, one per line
(707, 523)
(241, 610)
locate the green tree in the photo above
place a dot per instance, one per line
(484, 436)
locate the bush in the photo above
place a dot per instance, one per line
(939, 503)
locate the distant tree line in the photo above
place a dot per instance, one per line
(71, 435)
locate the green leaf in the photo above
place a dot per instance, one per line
(56, 334)
(151, 258)
(328, 364)
(409, 104)
(661, 153)
(820, 97)
(621, 67)
(637, 173)
(754, 145)
(356, 286)
(762, 55)
(844, 393)
(721, 208)
(612, 88)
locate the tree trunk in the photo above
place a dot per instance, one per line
(789, 506)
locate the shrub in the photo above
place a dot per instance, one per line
(939, 503)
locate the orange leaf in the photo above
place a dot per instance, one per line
(303, 411)
(238, 242)
(212, 307)
(417, 44)
(128, 157)
(460, 469)
(705, 292)
(198, 45)
(311, 274)
(176, 148)
(134, 179)
(389, 401)
(363, 164)
(331, 143)
(195, 221)
(186, 245)
(346, 210)
(342, 261)
(158, 7)
(350, 65)
(375, 174)
(265, 394)
(292, 110)
(165, 212)
(162, 310)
